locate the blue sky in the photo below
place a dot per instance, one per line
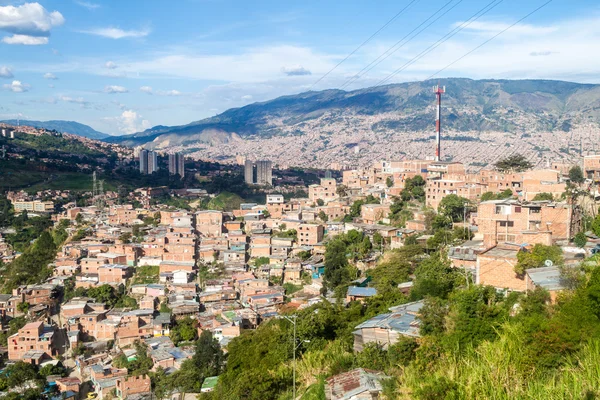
(125, 65)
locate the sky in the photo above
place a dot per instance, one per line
(122, 66)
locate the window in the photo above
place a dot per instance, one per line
(517, 209)
(510, 224)
(535, 210)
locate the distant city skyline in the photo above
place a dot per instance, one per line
(122, 67)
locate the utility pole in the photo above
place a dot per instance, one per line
(295, 347)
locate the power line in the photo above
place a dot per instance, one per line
(489, 7)
(490, 39)
(364, 43)
(398, 44)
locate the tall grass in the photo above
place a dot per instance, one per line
(500, 370)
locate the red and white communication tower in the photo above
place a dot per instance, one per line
(438, 90)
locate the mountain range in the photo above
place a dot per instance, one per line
(71, 127)
(482, 121)
(544, 119)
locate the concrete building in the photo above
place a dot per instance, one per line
(275, 199)
(264, 173)
(148, 161)
(33, 206)
(177, 164)
(258, 172)
(249, 172)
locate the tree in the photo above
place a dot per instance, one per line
(365, 247)
(23, 307)
(161, 383)
(184, 331)
(453, 206)
(18, 374)
(208, 357)
(414, 189)
(514, 163)
(322, 216)
(537, 256)
(377, 240)
(433, 316)
(260, 261)
(505, 194)
(341, 190)
(389, 181)
(355, 209)
(51, 369)
(320, 202)
(79, 218)
(125, 237)
(103, 294)
(336, 264)
(435, 277)
(596, 225)
(304, 255)
(475, 315)
(370, 199)
(543, 197)
(576, 175)
(441, 238)
(580, 240)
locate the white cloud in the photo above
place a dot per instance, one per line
(295, 70)
(51, 86)
(116, 33)
(130, 122)
(49, 75)
(5, 72)
(87, 4)
(78, 100)
(149, 90)
(169, 93)
(25, 40)
(115, 89)
(110, 65)
(29, 23)
(17, 87)
(247, 97)
(519, 29)
(258, 64)
(541, 53)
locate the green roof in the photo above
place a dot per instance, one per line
(210, 382)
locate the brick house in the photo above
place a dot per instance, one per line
(128, 386)
(325, 191)
(114, 274)
(516, 222)
(309, 234)
(209, 223)
(495, 267)
(34, 337)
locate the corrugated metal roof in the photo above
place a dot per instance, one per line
(548, 278)
(361, 291)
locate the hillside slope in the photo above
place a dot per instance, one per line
(310, 125)
(72, 127)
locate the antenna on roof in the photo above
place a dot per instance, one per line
(438, 90)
